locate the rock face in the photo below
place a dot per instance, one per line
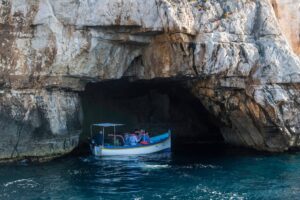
(288, 14)
(38, 123)
(235, 55)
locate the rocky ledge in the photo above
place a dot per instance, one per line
(238, 61)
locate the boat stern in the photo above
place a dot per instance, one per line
(96, 150)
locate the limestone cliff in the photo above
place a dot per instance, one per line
(234, 53)
(288, 14)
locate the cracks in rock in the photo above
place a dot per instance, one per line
(168, 21)
(135, 68)
(273, 125)
(256, 24)
(202, 56)
(161, 17)
(267, 130)
(243, 54)
(50, 6)
(16, 116)
(192, 47)
(15, 149)
(273, 133)
(215, 54)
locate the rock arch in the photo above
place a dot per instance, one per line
(240, 66)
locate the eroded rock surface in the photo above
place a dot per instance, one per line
(236, 56)
(288, 15)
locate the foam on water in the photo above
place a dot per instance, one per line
(153, 166)
(21, 183)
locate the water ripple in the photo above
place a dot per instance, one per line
(22, 183)
(161, 177)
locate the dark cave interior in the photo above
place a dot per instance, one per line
(156, 106)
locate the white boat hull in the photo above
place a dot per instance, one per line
(136, 150)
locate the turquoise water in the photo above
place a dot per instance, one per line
(203, 175)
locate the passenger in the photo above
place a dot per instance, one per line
(126, 139)
(145, 139)
(142, 134)
(137, 132)
(99, 138)
(133, 140)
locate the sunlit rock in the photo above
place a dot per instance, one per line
(288, 15)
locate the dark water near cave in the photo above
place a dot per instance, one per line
(208, 173)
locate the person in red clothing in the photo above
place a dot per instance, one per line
(144, 138)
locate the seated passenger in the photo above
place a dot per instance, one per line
(126, 139)
(140, 135)
(137, 132)
(133, 140)
(145, 139)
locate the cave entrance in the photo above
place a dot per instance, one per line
(155, 106)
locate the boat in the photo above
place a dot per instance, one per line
(158, 143)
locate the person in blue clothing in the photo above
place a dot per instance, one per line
(98, 138)
(126, 139)
(133, 139)
(144, 137)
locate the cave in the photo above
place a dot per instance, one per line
(156, 106)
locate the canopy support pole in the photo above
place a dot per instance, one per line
(103, 136)
(114, 135)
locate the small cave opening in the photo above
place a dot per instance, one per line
(152, 105)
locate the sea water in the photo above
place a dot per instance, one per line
(187, 175)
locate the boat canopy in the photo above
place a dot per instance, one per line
(107, 125)
(103, 126)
